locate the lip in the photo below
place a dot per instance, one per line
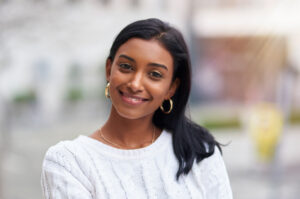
(132, 99)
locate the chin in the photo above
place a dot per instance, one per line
(132, 114)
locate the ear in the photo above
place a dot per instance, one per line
(173, 88)
(108, 69)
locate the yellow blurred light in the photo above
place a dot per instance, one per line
(265, 127)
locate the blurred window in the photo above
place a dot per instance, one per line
(105, 2)
(135, 3)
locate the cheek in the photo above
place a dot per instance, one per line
(117, 77)
(113, 72)
(160, 91)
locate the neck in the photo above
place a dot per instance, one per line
(134, 133)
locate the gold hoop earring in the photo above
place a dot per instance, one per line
(107, 91)
(170, 109)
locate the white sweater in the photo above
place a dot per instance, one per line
(86, 168)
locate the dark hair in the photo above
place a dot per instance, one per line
(190, 141)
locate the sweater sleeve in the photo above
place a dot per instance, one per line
(215, 177)
(62, 177)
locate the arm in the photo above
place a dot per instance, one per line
(62, 177)
(215, 177)
(224, 184)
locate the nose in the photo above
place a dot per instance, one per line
(136, 83)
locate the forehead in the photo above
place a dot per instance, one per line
(146, 51)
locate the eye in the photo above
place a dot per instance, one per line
(125, 66)
(156, 74)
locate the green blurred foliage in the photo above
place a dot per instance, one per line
(221, 124)
(295, 117)
(74, 95)
(25, 97)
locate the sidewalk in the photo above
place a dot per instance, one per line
(251, 178)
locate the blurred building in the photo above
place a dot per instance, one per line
(53, 52)
(251, 44)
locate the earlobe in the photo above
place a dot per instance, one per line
(108, 69)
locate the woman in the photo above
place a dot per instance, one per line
(147, 148)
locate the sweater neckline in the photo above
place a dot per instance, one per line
(103, 148)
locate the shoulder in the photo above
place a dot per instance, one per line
(65, 170)
(213, 163)
(214, 176)
(67, 158)
(65, 154)
(60, 150)
(216, 156)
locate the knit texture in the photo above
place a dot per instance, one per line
(85, 168)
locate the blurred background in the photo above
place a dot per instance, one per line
(246, 83)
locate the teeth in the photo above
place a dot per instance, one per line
(135, 99)
(131, 98)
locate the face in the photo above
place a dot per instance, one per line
(140, 78)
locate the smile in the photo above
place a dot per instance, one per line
(132, 99)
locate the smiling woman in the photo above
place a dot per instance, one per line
(140, 79)
(147, 148)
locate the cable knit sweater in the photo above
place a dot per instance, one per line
(88, 169)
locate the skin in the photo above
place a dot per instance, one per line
(140, 79)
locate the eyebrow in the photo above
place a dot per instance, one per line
(126, 57)
(150, 64)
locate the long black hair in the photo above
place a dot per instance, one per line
(190, 141)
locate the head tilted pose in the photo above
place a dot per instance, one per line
(149, 81)
(147, 148)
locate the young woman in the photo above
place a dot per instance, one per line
(147, 148)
